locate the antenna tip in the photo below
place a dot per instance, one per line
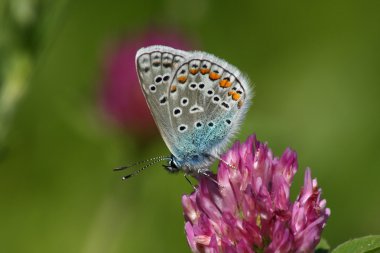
(126, 177)
(119, 168)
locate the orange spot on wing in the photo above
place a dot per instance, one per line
(193, 71)
(182, 79)
(225, 83)
(235, 96)
(230, 93)
(173, 88)
(205, 71)
(214, 76)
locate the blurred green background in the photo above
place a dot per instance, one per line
(315, 67)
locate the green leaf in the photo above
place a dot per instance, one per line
(367, 244)
(322, 247)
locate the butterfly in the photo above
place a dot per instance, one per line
(198, 102)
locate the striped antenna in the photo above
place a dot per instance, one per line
(140, 162)
(146, 166)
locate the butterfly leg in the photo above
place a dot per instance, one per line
(188, 180)
(223, 161)
(207, 174)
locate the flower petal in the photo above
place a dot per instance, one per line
(251, 211)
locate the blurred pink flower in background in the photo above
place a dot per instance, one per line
(250, 210)
(121, 97)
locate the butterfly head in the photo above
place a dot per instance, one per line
(173, 165)
(190, 164)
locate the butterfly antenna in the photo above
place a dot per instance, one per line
(146, 166)
(140, 162)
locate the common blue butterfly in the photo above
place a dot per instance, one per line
(198, 102)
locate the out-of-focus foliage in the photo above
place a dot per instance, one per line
(315, 68)
(23, 29)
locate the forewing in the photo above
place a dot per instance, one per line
(155, 67)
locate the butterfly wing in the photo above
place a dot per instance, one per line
(155, 67)
(208, 99)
